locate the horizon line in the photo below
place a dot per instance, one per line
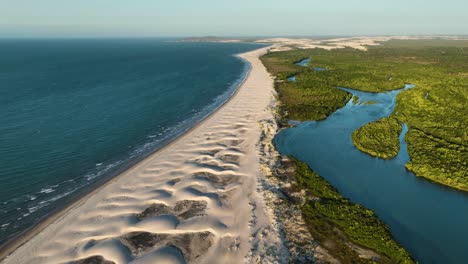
(230, 37)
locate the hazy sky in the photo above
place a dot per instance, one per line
(75, 18)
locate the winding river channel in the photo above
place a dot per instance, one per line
(429, 220)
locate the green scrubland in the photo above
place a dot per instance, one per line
(435, 110)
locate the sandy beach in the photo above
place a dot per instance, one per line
(195, 201)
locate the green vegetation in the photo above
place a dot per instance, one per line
(437, 116)
(425, 43)
(313, 96)
(379, 138)
(435, 110)
(355, 99)
(357, 102)
(334, 221)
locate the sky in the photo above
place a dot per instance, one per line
(184, 18)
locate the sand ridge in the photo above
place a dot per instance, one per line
(194, 201)
(358, 42)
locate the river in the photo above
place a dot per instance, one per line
(429, 220)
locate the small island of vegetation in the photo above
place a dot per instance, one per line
(379, 138)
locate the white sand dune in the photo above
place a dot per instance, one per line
(194, 201)
(360, 42)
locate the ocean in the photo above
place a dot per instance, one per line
(76, 112)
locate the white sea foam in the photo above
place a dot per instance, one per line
(47, 190)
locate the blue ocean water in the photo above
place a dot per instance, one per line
(429, 220)
(75, 112)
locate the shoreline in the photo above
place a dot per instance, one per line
(16, 243)
(128, 164)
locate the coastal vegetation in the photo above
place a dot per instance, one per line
(437, 116)
(379, 138)
(336, 223)
(435, 110)
(312, 96)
